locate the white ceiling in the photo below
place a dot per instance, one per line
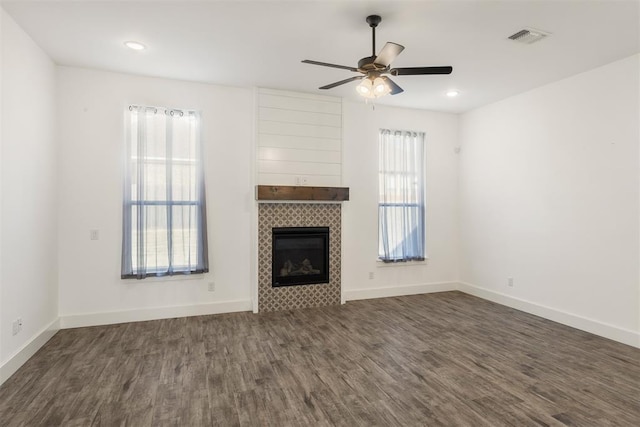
(261, 43)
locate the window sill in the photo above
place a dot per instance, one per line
(382, 264)
(175, 278)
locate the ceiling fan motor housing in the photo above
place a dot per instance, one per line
(366, 64)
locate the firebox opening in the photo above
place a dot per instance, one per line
(300, 256)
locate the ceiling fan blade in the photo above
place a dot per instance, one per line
(325, 64)
(388, 53)
(414, 71)
(341, 82)
(395, 89)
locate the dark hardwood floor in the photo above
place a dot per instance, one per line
(445, 359)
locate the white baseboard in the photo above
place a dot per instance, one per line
(24, 353)
(15, 361)
(596, 327)
(396, 291)
(144, 314)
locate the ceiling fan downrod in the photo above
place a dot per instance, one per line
(373, 21)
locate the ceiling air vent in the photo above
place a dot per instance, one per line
(528, 36)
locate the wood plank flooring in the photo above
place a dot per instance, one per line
(446, 359)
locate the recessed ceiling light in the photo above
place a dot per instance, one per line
(134, 45)
(453, 93)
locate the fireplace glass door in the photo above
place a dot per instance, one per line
(300, 256)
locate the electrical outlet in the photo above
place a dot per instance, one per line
(94, 234)
(17, 326)
(372, 275)
(211, 286)
(302, 180)
(510, 282)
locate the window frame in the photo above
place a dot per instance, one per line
(417, 260)
(130, 201)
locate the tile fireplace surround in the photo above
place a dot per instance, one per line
(272, 215)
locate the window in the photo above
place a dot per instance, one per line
(401, 213)
(164, 221)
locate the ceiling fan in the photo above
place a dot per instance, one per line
(374, 68)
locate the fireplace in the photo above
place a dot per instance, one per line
(300, 256)
(290, 215)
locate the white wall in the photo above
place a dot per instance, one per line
(361, 124)
(28, 278)
(549, 195)
(91, 118)
(2, 19)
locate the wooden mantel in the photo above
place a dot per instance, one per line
(291, 193)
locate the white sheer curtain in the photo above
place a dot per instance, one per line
(164, 220)
(401, 206)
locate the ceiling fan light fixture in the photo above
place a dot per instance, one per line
(380, 87)
(373, 88)
(365, 88)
